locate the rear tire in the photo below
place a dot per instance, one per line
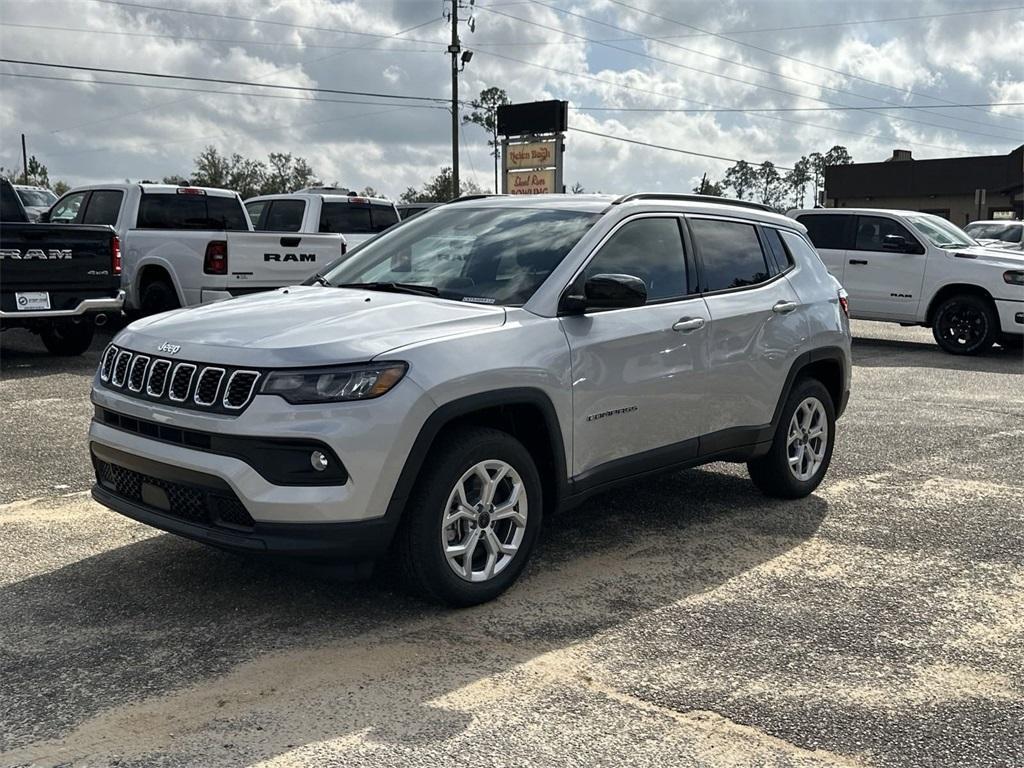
(798, 460)
(436, 522)
(158, 296)
(965, 325)
(69, 338)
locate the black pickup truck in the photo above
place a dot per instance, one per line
(57, 280)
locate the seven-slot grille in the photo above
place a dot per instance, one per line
(183, 384)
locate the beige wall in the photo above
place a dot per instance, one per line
(961, 207)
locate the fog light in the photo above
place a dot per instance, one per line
(318, 460)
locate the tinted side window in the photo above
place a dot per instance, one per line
(383, 217)
(285, 216)
(174, 211)
(826, 230)
(66, 209)
(730, 254)
(103, 207)
(226, 213)
(345, 217)
(783, 261)
(651, 249)
(872, 230)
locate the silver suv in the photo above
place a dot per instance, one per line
(427, 401)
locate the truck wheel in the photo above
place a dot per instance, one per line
(158, 296)
(802, 447)
(472, 519)
(965, 325)
(68, 338)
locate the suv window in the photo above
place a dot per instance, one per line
(103, 207)
(730, 254)
(187, 211)
(650, 249)
(283, 216)
(872, 231)
(66, 209)
(346, 217)
(783, 260)
(826, 230)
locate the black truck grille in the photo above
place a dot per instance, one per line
(183, 384)
(191, 503)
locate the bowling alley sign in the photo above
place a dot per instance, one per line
(532, 150)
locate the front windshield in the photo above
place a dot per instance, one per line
(940, 232)
(36, 197)
(481, 255)
(1008, 233)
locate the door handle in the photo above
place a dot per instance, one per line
(688, 324)
(784, 307)
(859, 261)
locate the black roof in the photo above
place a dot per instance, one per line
(920, 178)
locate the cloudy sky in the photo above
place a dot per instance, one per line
(641, 55)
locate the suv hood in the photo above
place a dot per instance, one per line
(306, 326)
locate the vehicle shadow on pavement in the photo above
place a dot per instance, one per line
(22, 355)
(161, 638)
(887, 353)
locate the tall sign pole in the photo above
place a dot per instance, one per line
(24, 157)
(454, 49)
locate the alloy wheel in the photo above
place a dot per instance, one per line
(807, 439)
(963, 326)
(484, 520)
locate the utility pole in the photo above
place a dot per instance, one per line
(24, 157)
(703, 183)
(455, 49)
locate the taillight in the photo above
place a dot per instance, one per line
(844, 302)
(115, 255)
(216, 260)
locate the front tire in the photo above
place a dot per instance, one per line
(472, 520)
(965, 325)
(68, 338)
(802, 447)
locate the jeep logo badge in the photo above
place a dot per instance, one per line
(168, 348)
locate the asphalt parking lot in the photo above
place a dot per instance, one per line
(681, 621)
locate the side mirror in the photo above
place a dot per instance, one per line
(895, 243)
(607, 292)
(44, 217)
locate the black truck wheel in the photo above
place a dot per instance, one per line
(69, 338)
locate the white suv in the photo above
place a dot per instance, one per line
(919, 269)
(480, 366)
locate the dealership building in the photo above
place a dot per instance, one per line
(961, 189)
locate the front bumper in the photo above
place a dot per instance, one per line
(1011, 316)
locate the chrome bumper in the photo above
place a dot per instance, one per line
(109, 304)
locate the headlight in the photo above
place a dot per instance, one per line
(1014, 277)
(331, 385)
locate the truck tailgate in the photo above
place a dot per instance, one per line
(55, 266)
(272, 259)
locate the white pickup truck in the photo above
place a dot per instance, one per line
(919, 269)
(190, 245)
(323, 210)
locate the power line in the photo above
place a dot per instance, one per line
(222, 40)
(800, 109)
(771, 52)
(661, 94)
(854, 22)
(769, 72)
(666, 148)
(741, 81)
(306, 89)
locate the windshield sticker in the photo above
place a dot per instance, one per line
(478, 300)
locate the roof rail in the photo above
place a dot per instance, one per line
(692, 199)
(479, 196)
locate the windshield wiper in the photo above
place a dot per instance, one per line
(416, 290)
(321, 280)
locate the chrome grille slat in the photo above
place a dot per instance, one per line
(181, 382)
(107, 363)
(121, 368)
(135, 382)
(237, 392)
(203, 383)
(158, 372)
